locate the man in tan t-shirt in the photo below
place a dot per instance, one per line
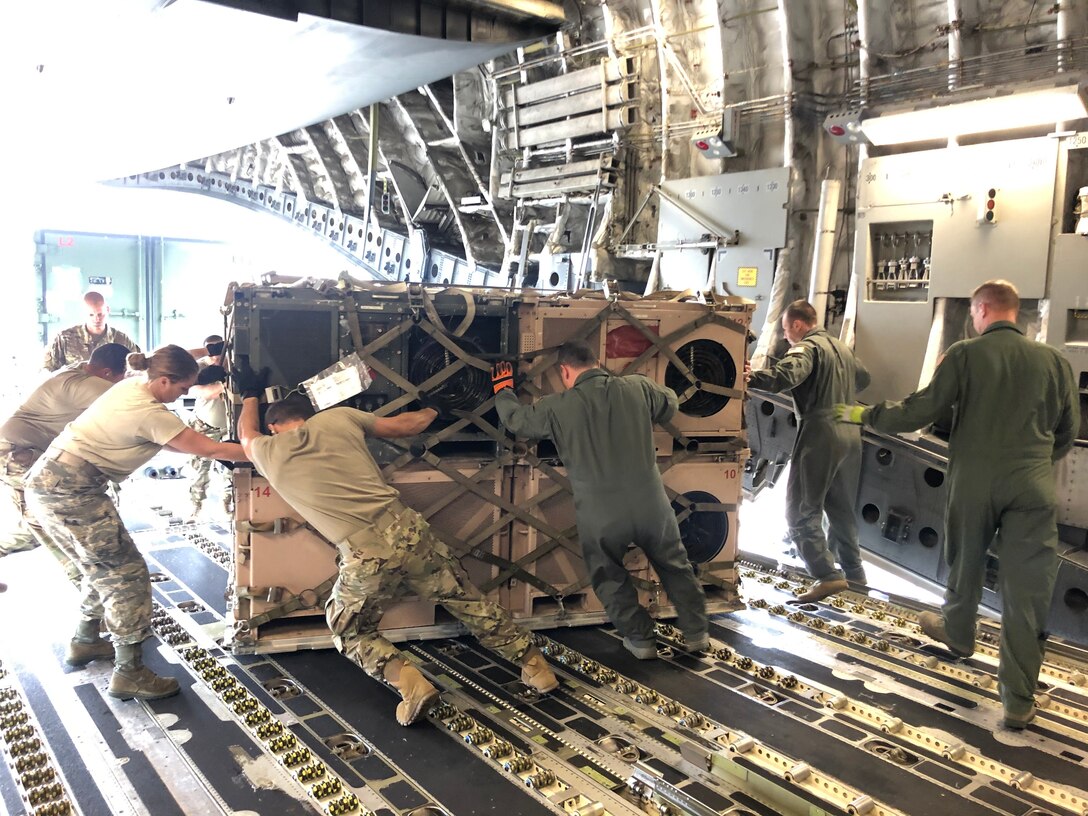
(33, 427)
(321, 466)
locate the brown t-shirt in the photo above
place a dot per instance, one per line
(326, 473)
(121, 430)
(51, 406)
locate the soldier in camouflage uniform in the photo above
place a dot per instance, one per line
(75, 344)
(320, 464)
(66, 492)
(209, 418)
(36, 423)
(820, 371)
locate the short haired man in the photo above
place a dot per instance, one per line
(602, 426)
(75, 344)
(321, 466)
(820, 371)
(33, 427)
(209, 416)
(1017, 412)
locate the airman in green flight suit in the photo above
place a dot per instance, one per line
(1016, 412)
(820, 371)
(602, 426)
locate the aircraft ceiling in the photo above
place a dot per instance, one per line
(96, 89)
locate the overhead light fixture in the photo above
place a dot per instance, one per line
(1016, 110)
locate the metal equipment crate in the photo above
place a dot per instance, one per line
(551, 587)
(705, 492)
(271, 568)
(440, 341)
(697, 349)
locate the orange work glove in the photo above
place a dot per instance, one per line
(502, 376)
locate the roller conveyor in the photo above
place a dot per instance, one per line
(838, 707)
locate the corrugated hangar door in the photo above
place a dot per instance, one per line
(194, 277)
(159, 290)
(71, 263)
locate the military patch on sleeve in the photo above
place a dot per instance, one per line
(795, 350)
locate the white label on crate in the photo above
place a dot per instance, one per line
(336, 387)
(338, 382)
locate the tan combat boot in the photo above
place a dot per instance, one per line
(822, 588)
(536, 673)
(932, 624)
(87, 645)
(417, 693)
(131, 678)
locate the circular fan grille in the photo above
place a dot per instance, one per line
(709, 363)
(464, 390)
(704, 532)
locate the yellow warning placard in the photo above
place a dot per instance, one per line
(747, 275)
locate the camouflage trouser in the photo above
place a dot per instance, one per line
(14, 465)
(201, 465)
(71, 503)
(391, 559)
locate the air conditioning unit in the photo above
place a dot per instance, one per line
(697, 349)
(705, 491)
(706, 494)
(709, 340)
(293, 332)
(439, 339)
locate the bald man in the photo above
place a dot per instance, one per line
(75, 344)
(1017, 412)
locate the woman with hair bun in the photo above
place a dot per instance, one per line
(66, 492)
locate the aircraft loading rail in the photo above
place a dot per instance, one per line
(835, 708)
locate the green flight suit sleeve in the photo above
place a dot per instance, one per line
(924, 406)
(527, 421)
(662, 400)
(792, 370)
(862, 377)
(1069, 421)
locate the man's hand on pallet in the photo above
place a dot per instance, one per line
(502, 376)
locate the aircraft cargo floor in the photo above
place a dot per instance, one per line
(832, 708)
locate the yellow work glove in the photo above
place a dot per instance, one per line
(849, 413)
